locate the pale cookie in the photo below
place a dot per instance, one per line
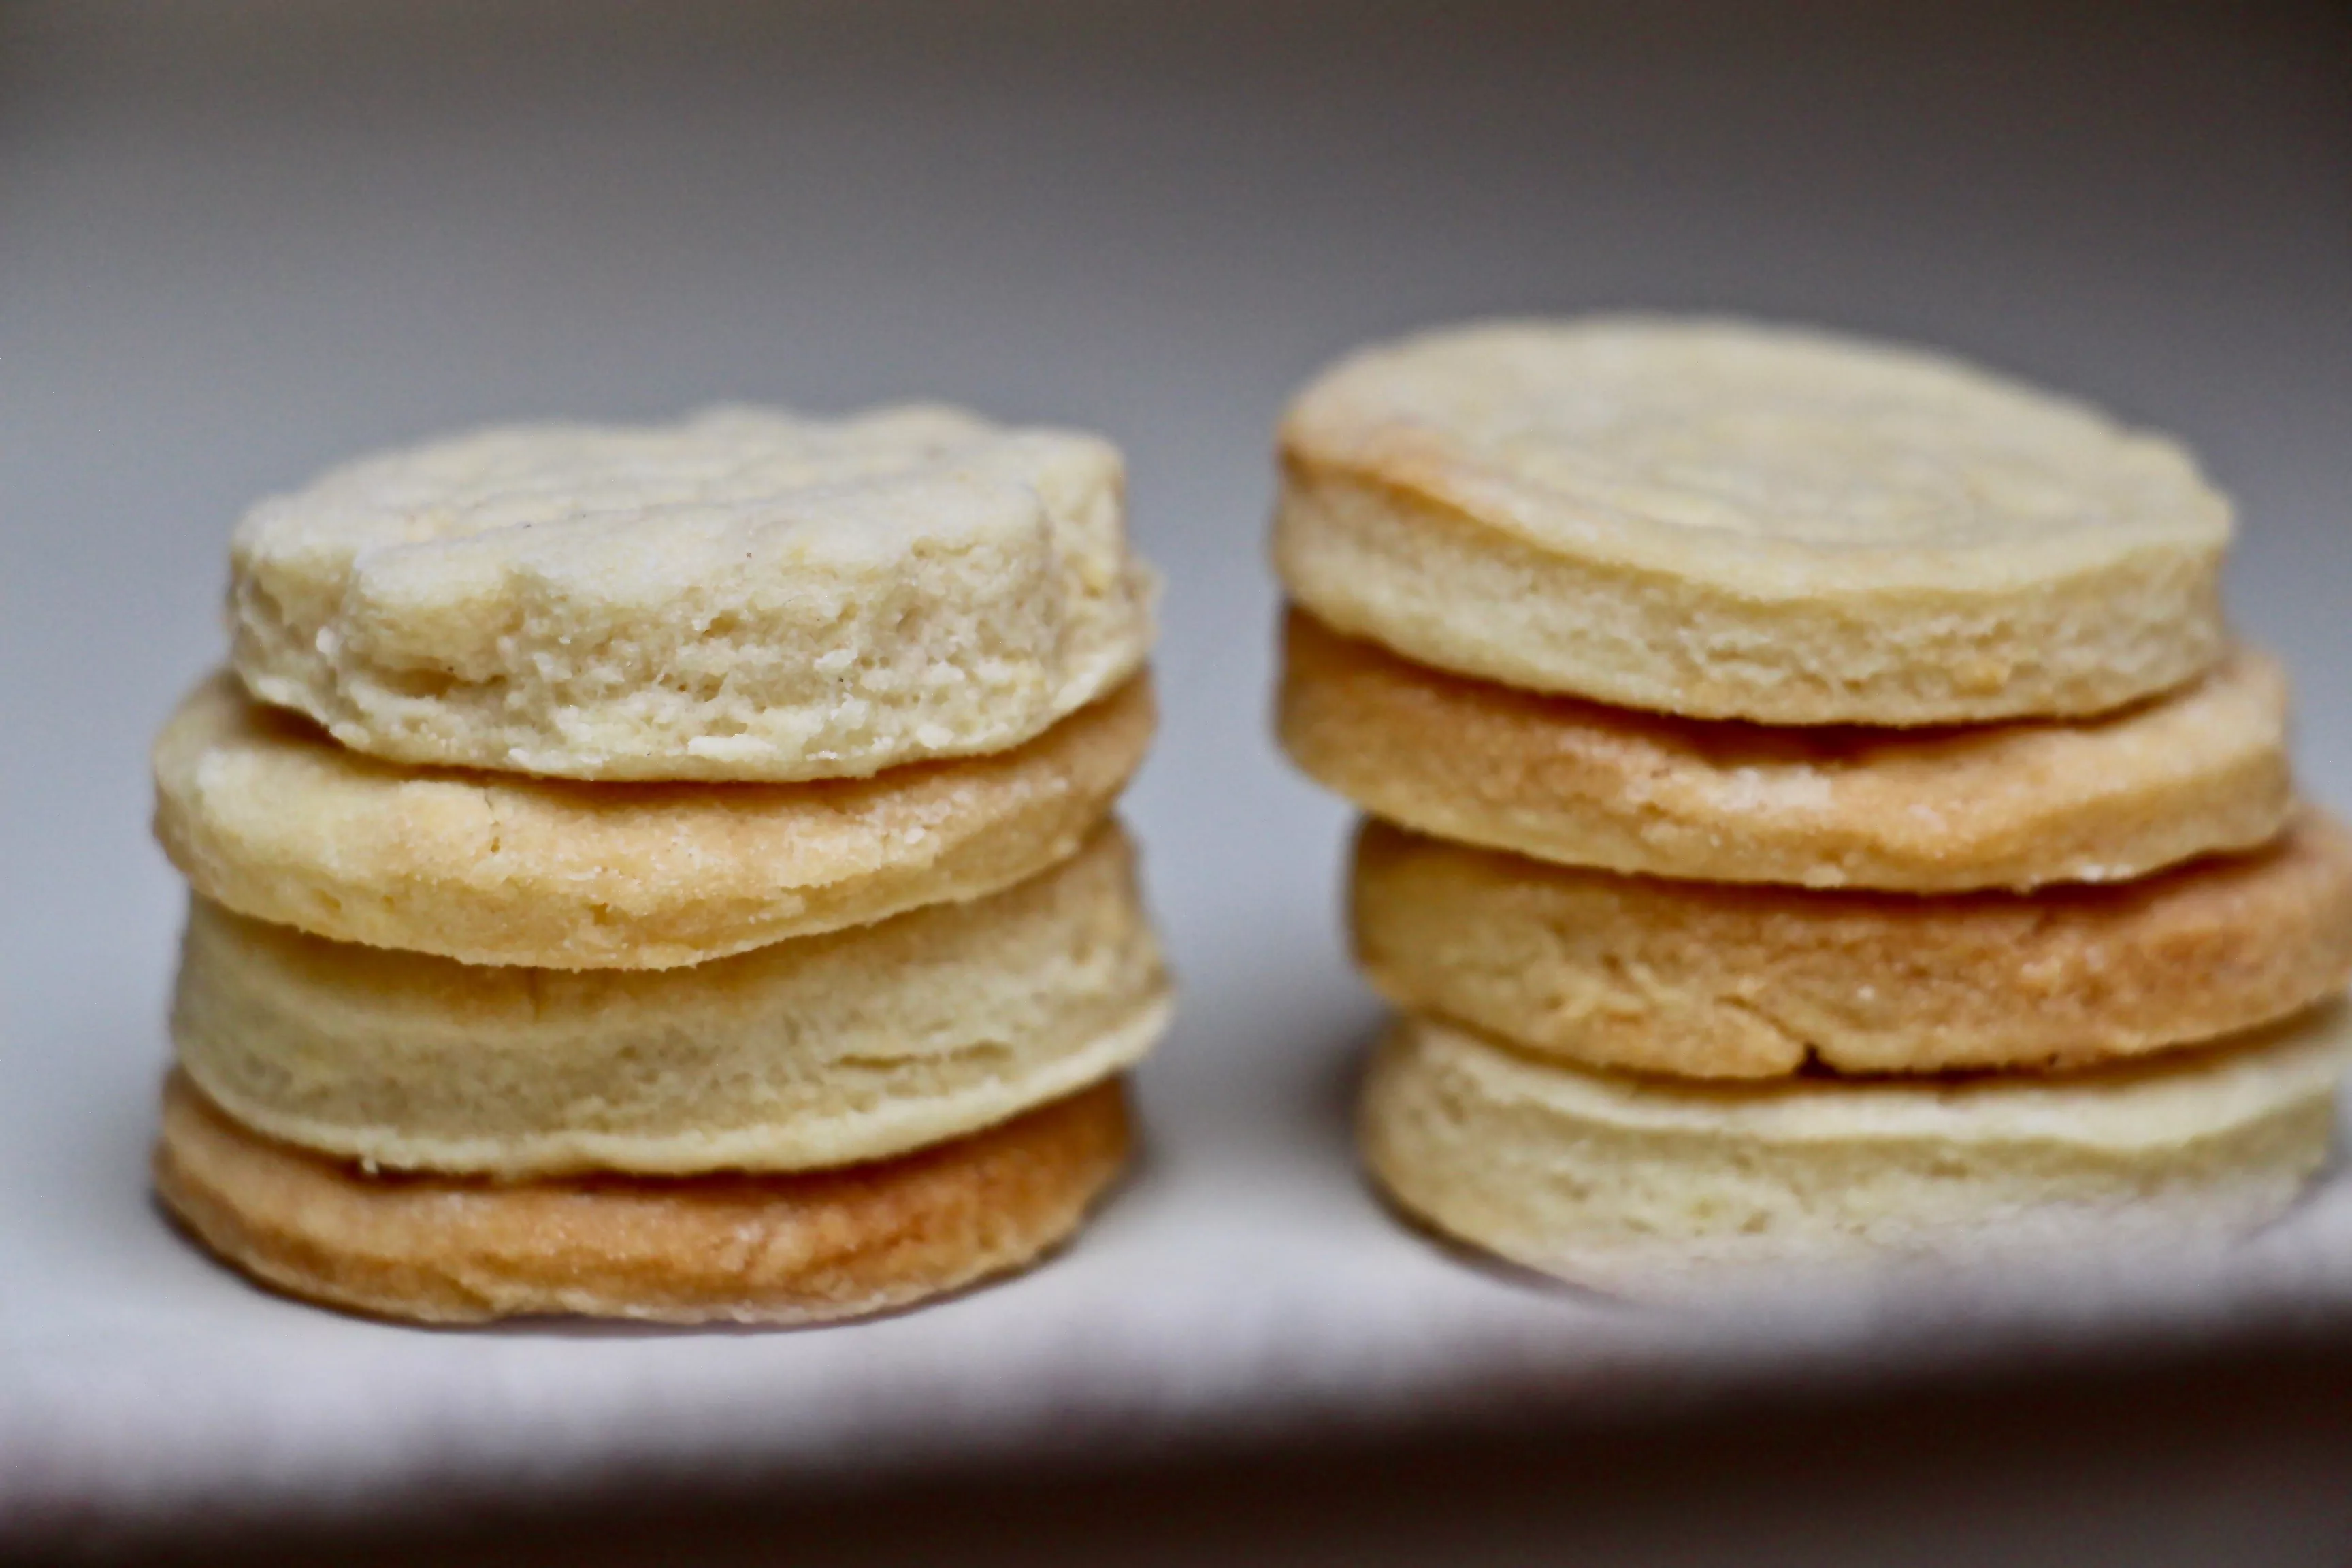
(1702, 980)
(742, 595)
(270, 817)
(1653, 1186)
(823, 1051)
(1733, 521)
(2005, 805)
(797, 1248)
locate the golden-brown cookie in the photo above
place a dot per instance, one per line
(1706, 981)
(2006, 805)
(1658, 1186)
(795, 1249)
(1728, 521)
(822, 1051)
(268, 816)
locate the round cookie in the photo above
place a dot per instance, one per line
(823, 1051)
(745, 1248)
(1704, 980)
(1654, 1186)
(2010, 805)
(267, 816)
(1733, 521)
(742, 595)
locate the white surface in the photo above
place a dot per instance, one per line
(240, 244)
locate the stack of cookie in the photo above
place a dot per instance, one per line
(665, 873)
(1821, 813)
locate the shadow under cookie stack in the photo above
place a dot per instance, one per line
(665, 873)
(1818, 813)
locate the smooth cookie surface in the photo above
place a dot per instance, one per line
(1653, 1186)
(822, 1051)
(270, 817)
(744, 1249)
(1733, 522)
(1706, 981)
(745, 594)
(2006, 805)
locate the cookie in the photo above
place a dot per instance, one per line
(2006, 805)
(745, 594)
(823, 1051)
(1656, 1187)
(1733, 521)
(267, 816)
(1705, 981)
(744, 1249)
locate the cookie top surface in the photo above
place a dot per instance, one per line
(1718, 443)
(745, 593)
(666, 500)
(1728, 521)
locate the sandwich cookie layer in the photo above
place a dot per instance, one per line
(745, 594)
(794, 1248)
(1706, 981)
(2010, 805)
(1647, 1185)
(270, 817)
(1733, 522)
(823, 1051)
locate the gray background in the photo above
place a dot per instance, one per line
(240, 241)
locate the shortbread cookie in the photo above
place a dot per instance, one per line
(742, 595)
(746, 1248)
(1733, 521)
(1650, 1185)
(823, 1051)
(1704, 980)
(2005, 805)
(270, 817)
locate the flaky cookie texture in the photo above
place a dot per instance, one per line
(830, 1049)
(1654, 1186)
(267, 816)
(1732, 522)
(780, 1250)
(2008, 805)
(745, 594)
(1705, 981)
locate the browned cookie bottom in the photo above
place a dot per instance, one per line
(794, 1248)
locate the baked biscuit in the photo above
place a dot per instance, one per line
(2009, 806)
(1733, 521)
(746, 1248)
(827, 1050)
(270, 817)
(1706, 981)
(742, 595)
(1646, 1186)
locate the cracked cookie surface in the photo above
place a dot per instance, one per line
(745, 594)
